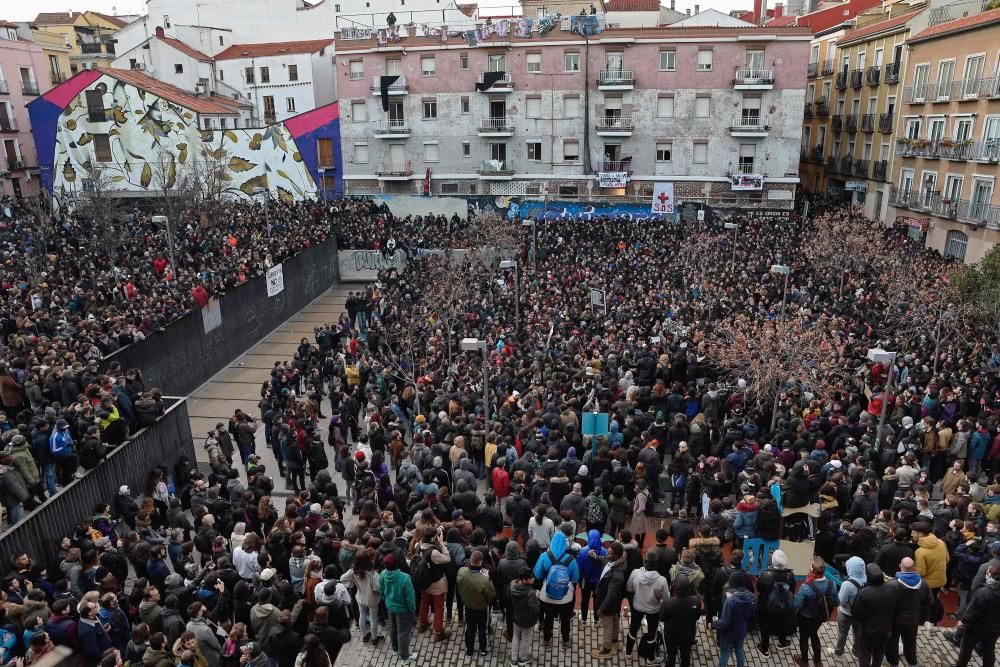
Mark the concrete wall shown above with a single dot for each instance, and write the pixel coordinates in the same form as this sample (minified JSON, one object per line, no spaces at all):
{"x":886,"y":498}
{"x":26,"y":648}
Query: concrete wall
{"x":403,"y":205}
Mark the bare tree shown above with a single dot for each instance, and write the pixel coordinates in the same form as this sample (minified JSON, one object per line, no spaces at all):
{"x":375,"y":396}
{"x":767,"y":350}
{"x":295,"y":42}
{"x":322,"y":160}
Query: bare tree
{"x":492,"y":239}
{"x":835,"y":244}
{"x":101,"y":203}
{"x":450,"y":288}
{"x":44,"y":226}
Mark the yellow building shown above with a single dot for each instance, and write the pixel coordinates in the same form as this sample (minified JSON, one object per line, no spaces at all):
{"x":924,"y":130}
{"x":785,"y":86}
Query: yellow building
{"x":870,"y":61}
{"x":56,"y":52}
{"x":819,"y":99}
{"x":88,"y":35}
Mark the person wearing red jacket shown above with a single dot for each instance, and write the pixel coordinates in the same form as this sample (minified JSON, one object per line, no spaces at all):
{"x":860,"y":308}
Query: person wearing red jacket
{"x":199,"y":295}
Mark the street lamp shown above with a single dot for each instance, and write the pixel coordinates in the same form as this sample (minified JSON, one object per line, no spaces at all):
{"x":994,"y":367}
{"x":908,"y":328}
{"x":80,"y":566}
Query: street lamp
{"x":736,"y":229}
{"x":477,"y":345}
{"x":512,"y":264}
{"x":164,"y":220}
{"x":880,"y":356}
{"x":530,"y":222}
{"x":322,"y":181}
{"x":785,"y":270}
{"x":267,"y":208}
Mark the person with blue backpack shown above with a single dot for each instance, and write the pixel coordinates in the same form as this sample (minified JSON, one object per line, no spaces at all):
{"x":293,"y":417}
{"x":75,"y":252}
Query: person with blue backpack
{"x":558,"y":571}
{"x":776,"y":604}
{"x":590,"y":561}
{"x":62,"y":450}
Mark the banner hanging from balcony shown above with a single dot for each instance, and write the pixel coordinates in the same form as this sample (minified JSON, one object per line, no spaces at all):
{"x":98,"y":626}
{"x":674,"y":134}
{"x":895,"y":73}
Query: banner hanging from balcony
{"x":742,"y":182}
{"x":489,"y":78}
{"x":613,"y":179}
{"x":384,"y":82}
{"x":663,"y":198}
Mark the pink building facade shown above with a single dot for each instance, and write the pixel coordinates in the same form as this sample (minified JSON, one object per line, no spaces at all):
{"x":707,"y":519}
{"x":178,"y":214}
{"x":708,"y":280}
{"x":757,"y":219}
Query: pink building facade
{"x":717,"y":111}
{"x":23,"y":77}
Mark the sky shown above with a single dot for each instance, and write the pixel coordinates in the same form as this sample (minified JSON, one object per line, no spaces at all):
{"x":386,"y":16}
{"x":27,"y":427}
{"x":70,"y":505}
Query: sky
{"x":25,"y":11}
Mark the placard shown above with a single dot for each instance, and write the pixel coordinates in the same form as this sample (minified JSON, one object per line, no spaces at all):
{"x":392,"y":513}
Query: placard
{"x":612,"y":179}
{"x":275,"y":280}
{"x":594,"y":423}
{"x":663,"y":198}
{"x":741,"y":182}
{"x":598,"y":300}
{"x":211,"y":315}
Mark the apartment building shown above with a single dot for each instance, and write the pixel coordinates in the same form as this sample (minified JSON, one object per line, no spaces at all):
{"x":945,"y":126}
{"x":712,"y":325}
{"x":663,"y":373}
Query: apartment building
{"x":22,"y":79}
{"x":715,"y":110}
{"x":947,"y":142}
{"x":89,"y":35}
{"x":820,"y":72}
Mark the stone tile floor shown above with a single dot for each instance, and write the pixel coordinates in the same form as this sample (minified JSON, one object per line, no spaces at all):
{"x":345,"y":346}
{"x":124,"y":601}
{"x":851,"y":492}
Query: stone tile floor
{"x":933,"y":650}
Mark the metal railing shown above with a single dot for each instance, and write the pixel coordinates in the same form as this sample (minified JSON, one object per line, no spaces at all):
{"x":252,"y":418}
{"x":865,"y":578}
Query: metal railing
{"x":808,"y":110}
{"x":503,"y":82}
{"x":852,"y":122}
{"x":847,"y":164}
{"x":394,"y":169}
{"x":827,"y":68}
{"x":617,"y":165}
{"x":8,"y":124}
{"x":947,"y":12}
{"x":837,"y":123}
{"x":868,"y":122}
{"x":29,"y":88}
{"x":962,"y":210}
{"x":614,"y":123}
{"x":749,"y":124}
{"x":861,"y":168}
{"x":15,"y":165}
{"x":56,"y":78}
{"x":496,"y":168}
{"x":817,"y":154}
{"x":880,"y":170}
{"x":832,"y":162}
{"x":812,"y":71}
{"x":841,"y":82}
{"x":496,"y":124}
{"x":822,"y":108}
{"x":857,"y":78}
{"x":754,"y":77}
{"x":886,"y":122}
{"x":746,"y":168}
{"x":874,"y":75}
{"x":399,"y":85}
{"x":948,"y":149}
{"x":391,"y":126}
{"x":892,"y":73}
{"x":616,"y":77}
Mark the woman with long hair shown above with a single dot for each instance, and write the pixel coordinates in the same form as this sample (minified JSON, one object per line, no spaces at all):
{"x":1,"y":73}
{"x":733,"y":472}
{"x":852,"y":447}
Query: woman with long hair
{"x":313,"y":654}
{"x":368,"y":595}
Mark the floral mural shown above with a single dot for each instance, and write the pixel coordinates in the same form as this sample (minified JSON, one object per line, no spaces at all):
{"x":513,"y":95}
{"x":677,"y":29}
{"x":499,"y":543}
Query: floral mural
{"x":153,"y":141}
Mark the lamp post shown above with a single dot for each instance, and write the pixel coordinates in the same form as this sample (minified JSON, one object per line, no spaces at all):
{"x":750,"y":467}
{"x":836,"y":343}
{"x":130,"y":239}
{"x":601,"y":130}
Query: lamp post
{"x":477,"y":345}
{"x":322,"y":183}
{"x":530,"y":222}
{"x":158,"y":219}
{"x":880,"y":356}
{"x":512,"y":264}
{"x":784,"y":270}
{"x":267,"y":208}
{"x":736,"y":230}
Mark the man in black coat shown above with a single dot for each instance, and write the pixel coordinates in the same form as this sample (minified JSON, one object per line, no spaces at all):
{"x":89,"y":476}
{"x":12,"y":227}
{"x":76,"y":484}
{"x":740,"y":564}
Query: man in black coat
{"x":913,"y":607}
{"x":874,"y":609}
{"x":680,"y":613}
{"x":609,"y":595}
{"x":981,"y":620}
{"x":282,"y":643}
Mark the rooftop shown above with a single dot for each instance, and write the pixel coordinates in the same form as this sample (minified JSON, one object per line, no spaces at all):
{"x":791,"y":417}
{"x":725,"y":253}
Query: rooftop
{"x":632,"y":6}
{"x":265,"y":49}
{"x":184,"y":48}
{"x":958,"y":25}
{"x":468,"y":10}
{"x":894,"y":23}
{"x":207,"y":105}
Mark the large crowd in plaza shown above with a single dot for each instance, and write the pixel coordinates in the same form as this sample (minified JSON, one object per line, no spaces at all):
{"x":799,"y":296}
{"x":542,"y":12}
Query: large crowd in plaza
{"x":421,"y":496}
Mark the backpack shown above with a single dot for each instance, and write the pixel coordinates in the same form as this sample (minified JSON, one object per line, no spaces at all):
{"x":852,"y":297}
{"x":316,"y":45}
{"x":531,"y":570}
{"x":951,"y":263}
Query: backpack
{"x":779,"y":600}
{"x":557,"y":580}
{"x":820,"y":606}
{"x":423,"y":571}
{"x":858,"y":586}
{"x":61,"y":444}
{"x":593,"y":513}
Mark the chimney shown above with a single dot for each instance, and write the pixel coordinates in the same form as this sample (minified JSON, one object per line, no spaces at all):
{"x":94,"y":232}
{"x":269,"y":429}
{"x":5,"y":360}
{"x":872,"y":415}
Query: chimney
{"x":696,"y":9}
{"x":779,"y":9}
{"x":673,"y":4}
{"x":159,"y":31}
{"x":688,"y":11}
{"x":759,"y":9}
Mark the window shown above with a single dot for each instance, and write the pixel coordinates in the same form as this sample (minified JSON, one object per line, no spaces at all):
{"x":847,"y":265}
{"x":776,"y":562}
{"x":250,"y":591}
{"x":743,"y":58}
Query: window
{"x":497,"y":62}
{"x":534,"y":62}
{"x":293,"y":72}
{"x":912,"y":130}
{"x":747,"y":154}
{"x":535,"y":151}
{"x":166,"y":21}
{"x":663,"y":151}
{"x":702,"y":107}
{"x":946,"y":72}
{"x":571,"y":61}
{"x":359,"y":112}
{"x":571,"y":106}
{"x":222,"y":123}
{"x":324,"y":153}
{"x":449,"y":188}
{"x":463,"y":61}
{"x":361,"y":153}
{"x":755,"y":59}
{"x":102,"y":148}
{"x":533,"y":107}
{"x":973,"y":73}
{"x":268,"y":108}
{"x":571,"y":150}
{"x":208,"y":123}
{"x":700,"y":155}
{"x":95,"y":106}
{"x":430,"y":109}
{"x":814,"y":54}
{"x":464,"y":104}
{"x":920,"y":74}
{"x":569,"y":190}
{"x":953,"y":187}
{"x":357,"y":69}
{"x":428,"y":67}
{"x":466,"y":149}
{"x":178,"y":68}
{"x":221,"y":41}
{"x":393,"y":67}
{"x":935,"y":129}
{"x":431,"y":153}
{"x":614,"y":61}
{"x":665,"y":106}
{"x":668,"y":60}
{"x":265,"y":74}
{"x":705,"y":60}
{"x":222,"y":75}
{"x":963,"y":129}
{"x":248,"y":75}
{"x":955,"y":244}
{"x":290,"y":104}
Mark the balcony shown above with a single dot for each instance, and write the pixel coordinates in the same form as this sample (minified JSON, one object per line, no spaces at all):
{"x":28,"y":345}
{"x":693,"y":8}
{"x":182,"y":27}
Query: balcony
{"x":880,"y":170}
{"x":963,"y":90}
{"x":56,"y":78}
{"x":949,"y":149}
{"x":808,"y":110}
{"x":614,"y":126}
{"x":817,"y":154}
{"x":394,"y":171}
{"x":885,"y":123}
{"x":399,"y":87}
{"x":616,"y":79}
{"x":496,"y":170}
{"x":812,"y":71}
{"x":852,"y":123}
{"x":749,"y":126}
{"x":29,"y":88}
{"x":868,"y":123}
{"x":846,"y":165}
{"x":827,"y":68}
{"x":500,"y":126}
{"x":15,"y":164}
{"x":842,"y":80}
{"x":391,"y":128}
{"x":965,"y":211}
{"x":874,"y":75}
{"x":93,"y":48}
{"x":917,"y":94}
{"x":891,"y":73}
{"x":837,"y":123}
{"x":502,"y":85}
{"x":857,"y":78}
{"x":3,"y":87}
{"x":8,"y":124}
{"x":822,"y":109}
{"x":753,"y":79}
{"x":832,"y":163}
{"x":617,"y":166}
{"x":861,"y":168}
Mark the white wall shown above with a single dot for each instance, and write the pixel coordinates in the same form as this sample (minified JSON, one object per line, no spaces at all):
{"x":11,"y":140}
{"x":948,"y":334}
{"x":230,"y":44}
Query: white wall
{"x":403,"y":205}
{"x":279,"y":86}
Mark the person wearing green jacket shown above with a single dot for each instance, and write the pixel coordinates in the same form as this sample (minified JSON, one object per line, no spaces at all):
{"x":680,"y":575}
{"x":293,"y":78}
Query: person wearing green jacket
{"x":401,"y":603}
{"x":478,"y":593}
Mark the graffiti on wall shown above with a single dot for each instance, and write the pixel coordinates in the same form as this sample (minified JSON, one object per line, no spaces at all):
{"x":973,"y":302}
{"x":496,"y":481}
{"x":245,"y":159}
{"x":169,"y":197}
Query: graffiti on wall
{"x":555,"y":210}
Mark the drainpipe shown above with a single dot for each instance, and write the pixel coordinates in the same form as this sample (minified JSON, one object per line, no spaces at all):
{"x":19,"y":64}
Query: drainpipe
{"x":586,"y":107}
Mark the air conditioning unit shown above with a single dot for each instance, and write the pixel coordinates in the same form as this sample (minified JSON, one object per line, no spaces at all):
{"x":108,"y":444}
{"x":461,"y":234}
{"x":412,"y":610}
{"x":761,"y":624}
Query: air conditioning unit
{"x":199,"y":88}
{"x":140,"y":66}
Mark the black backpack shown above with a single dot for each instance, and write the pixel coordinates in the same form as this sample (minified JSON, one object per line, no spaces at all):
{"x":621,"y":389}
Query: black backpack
{"x":423,"y":570}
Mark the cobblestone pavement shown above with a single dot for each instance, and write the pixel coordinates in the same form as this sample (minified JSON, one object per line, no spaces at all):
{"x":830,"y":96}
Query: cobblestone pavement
{"x":933,"y":650}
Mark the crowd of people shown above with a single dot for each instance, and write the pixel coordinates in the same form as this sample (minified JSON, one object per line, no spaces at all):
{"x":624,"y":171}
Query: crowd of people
{"x":425,"y":490}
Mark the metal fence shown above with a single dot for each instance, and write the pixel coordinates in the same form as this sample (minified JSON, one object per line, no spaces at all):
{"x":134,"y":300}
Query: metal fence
{"x":183,"y":356}
{"x":163,"y":443}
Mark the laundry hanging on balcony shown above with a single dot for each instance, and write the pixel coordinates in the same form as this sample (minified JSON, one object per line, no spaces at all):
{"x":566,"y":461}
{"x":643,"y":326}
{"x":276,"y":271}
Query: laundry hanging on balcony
{"x":383,"y":83}
{"x":489,"y":78}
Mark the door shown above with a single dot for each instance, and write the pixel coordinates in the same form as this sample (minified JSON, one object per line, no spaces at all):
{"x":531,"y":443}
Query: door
{"x":614,"y":61}
{"x":613,"y":110}
{"x":397,"y":156}
{"x":396,"y":115}
{"x":498,"y":110}
{"x":498,"y":153}
{"x":879,"y":54}
{"x":982,"y":193}
{"x":905,"y":184}
{"x":612,"y":153}
{"x":862,"y":59}
{"x":6,"y":117}
{"x":991,"y":139}
{"x":973,"y":73}
{"x":930,"y":186}
{"x":393,"y":67}
{"x":953,"y":188}
{"x":10,"y":151}
{"x":269,"y":116}
{"x":755,"y":59}
{"x":15,"y":184}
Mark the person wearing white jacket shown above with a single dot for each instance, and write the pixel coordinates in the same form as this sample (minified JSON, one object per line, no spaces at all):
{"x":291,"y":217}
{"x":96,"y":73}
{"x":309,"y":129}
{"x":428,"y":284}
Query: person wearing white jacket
{"x":364,"y":580}
{"x":650,"y":589}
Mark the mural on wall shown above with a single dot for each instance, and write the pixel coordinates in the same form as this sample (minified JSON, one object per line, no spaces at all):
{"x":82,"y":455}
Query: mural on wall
{"x":155,"y":142}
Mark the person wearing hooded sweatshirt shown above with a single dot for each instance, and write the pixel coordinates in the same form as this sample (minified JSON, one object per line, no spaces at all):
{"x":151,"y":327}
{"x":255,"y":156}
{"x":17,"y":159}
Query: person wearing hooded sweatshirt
{"x":931,"y":557}
{"x":874,"y":609}
{"x":849,"y":589}
{"x":649,"y":590}
{"x":680,"y":613}
{"x":814,"y":601}
{"x":553,"y":604}
{"x":773,"y":620}
{"x":524,"y":608}
{"x":590,"y":560}
{"x":734,"y":621}
{"x":401,"y":603}
{"x":508,"y":570}
{"x":981,"y":620}
{"x":610,"y":593}
{"x":913,"y":608}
